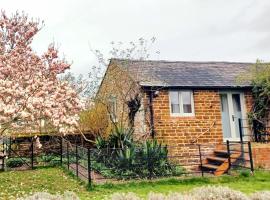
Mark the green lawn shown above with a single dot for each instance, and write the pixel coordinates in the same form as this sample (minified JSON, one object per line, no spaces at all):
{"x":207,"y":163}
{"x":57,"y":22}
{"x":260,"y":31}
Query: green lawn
{"x":53,"y":180}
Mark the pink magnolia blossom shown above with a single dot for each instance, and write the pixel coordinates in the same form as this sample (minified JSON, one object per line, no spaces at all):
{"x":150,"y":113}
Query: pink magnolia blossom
{"x":30,"y":90}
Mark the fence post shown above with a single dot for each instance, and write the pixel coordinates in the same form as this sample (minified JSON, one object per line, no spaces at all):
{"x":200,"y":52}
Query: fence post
{"x":229,"y":154}
{"x":3,"y":158}
{"x":61,"y":151}
{"x":255,"y":132}
{"x":9,"y":145}
{"x":250,"y":157}
{"x":201,"y":164}
{"x":77,"y":170}
{"x":67,"y":156}
{"x":89,"y":166}
{"x":240,"y":129}
{"x":3,"y":146}
{"x":32,"y":153}
{"x":149,"y":166}
{"x":3,"y":163}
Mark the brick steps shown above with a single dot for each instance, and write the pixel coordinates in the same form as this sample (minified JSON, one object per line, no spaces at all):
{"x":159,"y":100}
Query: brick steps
{"x":218,"y":164}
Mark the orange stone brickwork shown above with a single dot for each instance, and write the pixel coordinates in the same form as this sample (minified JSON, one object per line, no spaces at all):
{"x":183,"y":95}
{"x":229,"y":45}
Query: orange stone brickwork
{"x":183,"y":130}
{"x":261,"y":155}
{"x":204,"y":127}
{"x":249,"y":101}
{"x":185,"y":133}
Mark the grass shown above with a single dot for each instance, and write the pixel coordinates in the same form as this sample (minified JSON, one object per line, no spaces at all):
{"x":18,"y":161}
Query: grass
{"x":15,"y":184}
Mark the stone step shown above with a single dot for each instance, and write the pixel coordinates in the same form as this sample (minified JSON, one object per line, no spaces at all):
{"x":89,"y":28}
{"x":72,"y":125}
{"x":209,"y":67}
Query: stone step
{"x":210,"y":166}
{"x":216,"y":158}
{"x":221,"y":152}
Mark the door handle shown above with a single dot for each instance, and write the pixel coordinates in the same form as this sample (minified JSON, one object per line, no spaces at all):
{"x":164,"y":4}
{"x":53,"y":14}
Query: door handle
{"x":233,"y":118}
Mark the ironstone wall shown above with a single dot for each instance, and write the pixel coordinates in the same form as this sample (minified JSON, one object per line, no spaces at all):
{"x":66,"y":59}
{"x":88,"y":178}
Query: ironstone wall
{"x":22,"y":145}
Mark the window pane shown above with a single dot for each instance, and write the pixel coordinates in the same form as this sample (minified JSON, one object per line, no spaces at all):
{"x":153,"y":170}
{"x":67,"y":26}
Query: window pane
{"x":186,"y":98}
{"x":226,"y":126}
{"x":175,"y":108}
{"x":174,"y":97}
{"x":236,"y":102}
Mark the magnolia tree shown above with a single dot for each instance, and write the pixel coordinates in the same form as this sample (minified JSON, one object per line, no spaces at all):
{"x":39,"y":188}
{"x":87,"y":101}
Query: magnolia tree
{"x":30,"y":91}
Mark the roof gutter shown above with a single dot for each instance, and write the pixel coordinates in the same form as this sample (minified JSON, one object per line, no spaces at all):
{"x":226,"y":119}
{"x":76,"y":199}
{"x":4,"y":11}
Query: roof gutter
{"x":197,"y":87}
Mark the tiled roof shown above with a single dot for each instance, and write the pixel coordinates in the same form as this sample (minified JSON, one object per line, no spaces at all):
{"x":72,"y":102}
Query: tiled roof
{"x":186,"y":74}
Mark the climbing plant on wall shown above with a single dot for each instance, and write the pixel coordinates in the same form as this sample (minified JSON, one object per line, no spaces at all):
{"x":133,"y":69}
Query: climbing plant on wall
{"x":259,"y":76}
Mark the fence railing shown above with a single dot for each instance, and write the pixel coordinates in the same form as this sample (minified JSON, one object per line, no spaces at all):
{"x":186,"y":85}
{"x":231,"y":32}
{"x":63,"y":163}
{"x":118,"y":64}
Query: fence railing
{"x":255,"y":131}
{"x":245,"y":159}
{"x":112,"y":164}
{"x":25,"y":153}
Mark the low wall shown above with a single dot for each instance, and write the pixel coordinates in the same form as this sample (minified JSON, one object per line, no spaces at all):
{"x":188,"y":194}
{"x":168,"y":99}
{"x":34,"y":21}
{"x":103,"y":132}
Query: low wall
{"x":21,"y":146}
{"x":188,"y":155}
{"x":261,"y":155}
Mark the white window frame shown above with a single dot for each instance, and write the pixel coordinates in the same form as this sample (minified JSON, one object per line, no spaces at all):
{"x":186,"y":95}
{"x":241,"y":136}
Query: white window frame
{"x":181,"y":113}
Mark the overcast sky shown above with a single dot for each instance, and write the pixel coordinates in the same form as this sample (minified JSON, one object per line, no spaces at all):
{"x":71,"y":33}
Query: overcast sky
{"x":189,"y":30}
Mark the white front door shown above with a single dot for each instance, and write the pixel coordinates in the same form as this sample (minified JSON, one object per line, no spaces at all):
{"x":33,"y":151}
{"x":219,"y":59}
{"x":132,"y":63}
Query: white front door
{"x":232,"y":109}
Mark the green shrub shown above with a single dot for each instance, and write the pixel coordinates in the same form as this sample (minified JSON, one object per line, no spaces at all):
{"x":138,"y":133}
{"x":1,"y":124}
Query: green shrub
{"x":126,"y":158}
{"x":46,"y":158}
{"x":245,"y":173}
{"x":177,"y":170}
{"x":154,"y":156}
{"x":121,"y":138}
{"x":102,"y":169}
{"x":120,"y":157}
{"x":100,"y":142}
{"x":16,"y":162}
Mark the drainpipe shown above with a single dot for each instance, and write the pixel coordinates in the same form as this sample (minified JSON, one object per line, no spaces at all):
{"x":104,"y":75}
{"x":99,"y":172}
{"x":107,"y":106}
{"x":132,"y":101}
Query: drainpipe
{"x":152,"y":125}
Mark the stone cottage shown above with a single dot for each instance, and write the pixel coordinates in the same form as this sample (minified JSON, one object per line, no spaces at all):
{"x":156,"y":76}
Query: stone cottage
{"x":180,"y":103}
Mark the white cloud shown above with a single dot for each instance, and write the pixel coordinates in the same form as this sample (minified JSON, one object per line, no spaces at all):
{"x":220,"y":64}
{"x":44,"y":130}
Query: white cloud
{"x":186,"y":29}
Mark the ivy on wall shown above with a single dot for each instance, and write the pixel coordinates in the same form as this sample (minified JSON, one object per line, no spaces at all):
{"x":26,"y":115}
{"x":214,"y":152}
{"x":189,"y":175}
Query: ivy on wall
{"x":259,"y":77}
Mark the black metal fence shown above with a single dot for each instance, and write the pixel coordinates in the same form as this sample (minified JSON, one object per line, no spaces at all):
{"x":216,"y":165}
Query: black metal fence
{"x":240,"y":155}
{"x":29,"y":152}
{"x":255,"y":130}
{"x":113,"y":164}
